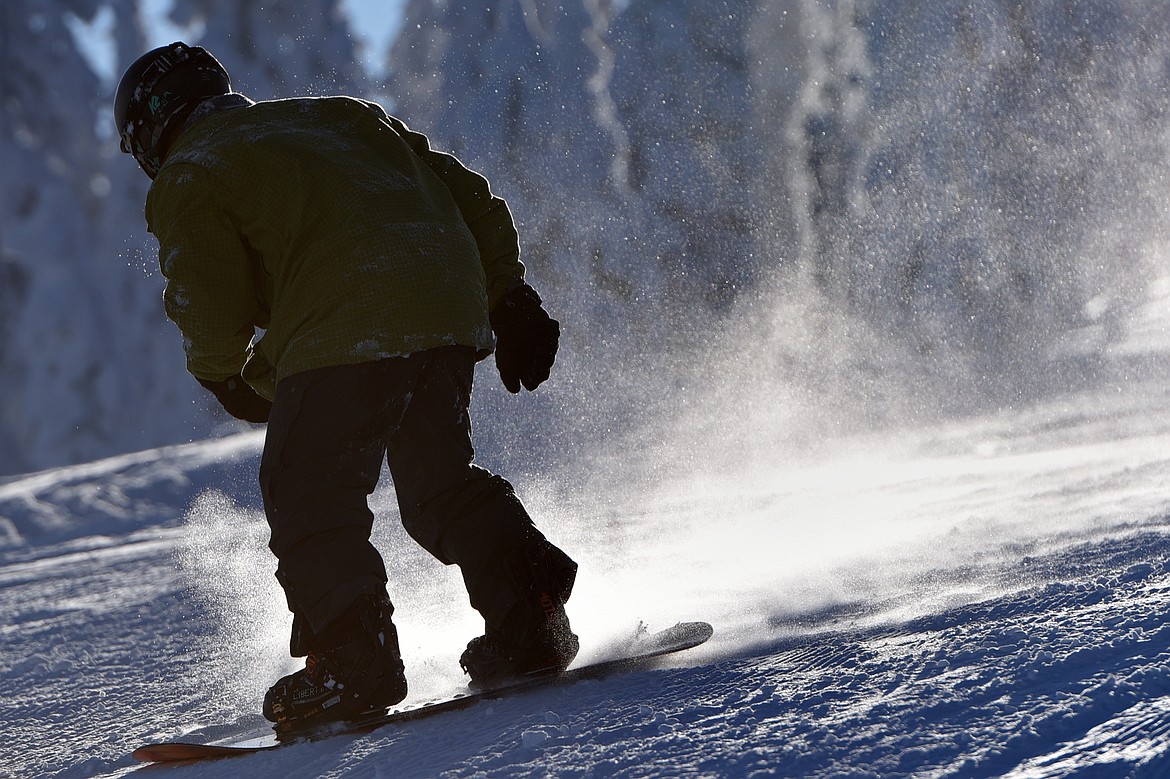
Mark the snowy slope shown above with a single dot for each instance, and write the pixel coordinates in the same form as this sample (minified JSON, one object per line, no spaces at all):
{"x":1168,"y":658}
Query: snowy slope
{"x":983,"y":597}
{"x":898,"y":588}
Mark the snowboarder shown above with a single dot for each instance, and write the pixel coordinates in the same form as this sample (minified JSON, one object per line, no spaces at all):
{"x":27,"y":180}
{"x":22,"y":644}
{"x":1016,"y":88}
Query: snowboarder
{"x":335,"y":277}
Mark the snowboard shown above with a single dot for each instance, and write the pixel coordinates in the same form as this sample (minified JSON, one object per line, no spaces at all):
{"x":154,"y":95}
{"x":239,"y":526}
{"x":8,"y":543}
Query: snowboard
{"x":639,"y":652}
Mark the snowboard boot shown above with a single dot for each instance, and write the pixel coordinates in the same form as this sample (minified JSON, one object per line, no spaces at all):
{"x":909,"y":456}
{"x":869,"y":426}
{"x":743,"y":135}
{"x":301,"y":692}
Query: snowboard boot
{"x":354,"y":668}
{"x":535,"y":637}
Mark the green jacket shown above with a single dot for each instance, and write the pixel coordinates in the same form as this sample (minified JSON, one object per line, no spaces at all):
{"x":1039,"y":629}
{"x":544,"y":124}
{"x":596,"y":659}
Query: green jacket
{"x":330,"y":227}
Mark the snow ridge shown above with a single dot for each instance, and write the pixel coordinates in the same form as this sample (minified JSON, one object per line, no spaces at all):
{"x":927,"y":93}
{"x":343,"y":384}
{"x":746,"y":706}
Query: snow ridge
{"x":980,"y":599}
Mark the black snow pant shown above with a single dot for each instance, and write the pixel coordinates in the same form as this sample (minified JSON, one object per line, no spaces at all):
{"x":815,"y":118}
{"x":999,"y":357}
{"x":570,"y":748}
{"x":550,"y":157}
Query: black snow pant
{"x":327,"y":434}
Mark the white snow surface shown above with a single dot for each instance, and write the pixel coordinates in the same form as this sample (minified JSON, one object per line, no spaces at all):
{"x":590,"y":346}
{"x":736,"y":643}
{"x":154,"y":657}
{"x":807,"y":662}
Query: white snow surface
{"x":865,"y":362}
{"x":981,"y":597}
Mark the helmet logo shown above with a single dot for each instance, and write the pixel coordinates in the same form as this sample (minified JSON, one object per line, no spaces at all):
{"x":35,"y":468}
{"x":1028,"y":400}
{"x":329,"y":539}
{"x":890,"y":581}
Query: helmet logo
{"x":158,"y":103}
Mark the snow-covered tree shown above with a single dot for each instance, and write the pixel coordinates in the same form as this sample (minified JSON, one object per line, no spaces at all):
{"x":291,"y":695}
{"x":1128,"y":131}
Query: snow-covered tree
{"x":954,"y":188}
{"x":88,"y":364}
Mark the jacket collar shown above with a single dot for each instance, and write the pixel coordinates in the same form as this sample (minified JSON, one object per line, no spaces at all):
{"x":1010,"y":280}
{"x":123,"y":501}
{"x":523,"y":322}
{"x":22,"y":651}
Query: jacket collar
{"x":215,"y":105}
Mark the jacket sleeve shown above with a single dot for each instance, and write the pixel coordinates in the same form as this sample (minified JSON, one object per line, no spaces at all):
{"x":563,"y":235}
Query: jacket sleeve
{"x":210,"y":292}
{"x":486,"y":214}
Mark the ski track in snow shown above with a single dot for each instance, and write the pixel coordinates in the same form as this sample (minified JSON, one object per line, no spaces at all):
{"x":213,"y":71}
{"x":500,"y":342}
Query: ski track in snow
{"x":984,"y":598}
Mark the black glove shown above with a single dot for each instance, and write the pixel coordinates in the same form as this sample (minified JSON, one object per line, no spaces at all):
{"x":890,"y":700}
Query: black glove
{"x":526,"y":339}
{"x":239,"y":399}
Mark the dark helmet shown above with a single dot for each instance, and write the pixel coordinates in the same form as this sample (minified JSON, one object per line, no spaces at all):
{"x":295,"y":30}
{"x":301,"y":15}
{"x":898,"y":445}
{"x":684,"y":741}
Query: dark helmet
{"x":157,"y":94}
